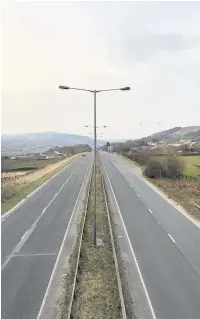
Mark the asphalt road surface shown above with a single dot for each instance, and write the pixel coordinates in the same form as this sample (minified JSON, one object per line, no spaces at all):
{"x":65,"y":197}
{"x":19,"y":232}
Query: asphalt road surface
{"x":31,"y":239}
{"x":166,"y":244}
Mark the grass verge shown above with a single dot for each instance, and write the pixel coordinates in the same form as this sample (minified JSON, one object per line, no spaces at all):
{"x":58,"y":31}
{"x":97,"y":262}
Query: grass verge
{"x":25,"y":185}
{"x":97,"y":295}
{"x":182,"y":191}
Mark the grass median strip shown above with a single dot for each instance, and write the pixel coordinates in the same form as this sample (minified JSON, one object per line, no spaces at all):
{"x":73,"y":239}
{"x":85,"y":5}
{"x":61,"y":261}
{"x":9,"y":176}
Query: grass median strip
{"x":96,"y":293}
{"x":14,"y":191}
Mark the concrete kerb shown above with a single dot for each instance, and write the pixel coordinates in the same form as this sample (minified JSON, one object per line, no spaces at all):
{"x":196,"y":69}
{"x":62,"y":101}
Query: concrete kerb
{"x":119,"y":283}
{"x":10,"y":211}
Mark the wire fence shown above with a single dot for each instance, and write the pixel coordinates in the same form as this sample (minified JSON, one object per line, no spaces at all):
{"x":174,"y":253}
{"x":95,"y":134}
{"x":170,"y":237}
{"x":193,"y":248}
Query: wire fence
{"x":183,"y":177}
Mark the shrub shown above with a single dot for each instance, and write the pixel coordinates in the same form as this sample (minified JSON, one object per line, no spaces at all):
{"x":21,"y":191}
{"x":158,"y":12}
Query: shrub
{"x":175,"y":166}
{"x":169,"y":167}
{"x":141,"y":158}
{"x":155,"y":168}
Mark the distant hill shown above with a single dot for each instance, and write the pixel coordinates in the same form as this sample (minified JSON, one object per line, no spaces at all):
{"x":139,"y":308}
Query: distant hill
{"x":70,"y":149}
{"x":40,"y":142}
{"x":190,"y":133}
{"x":177,"y":133}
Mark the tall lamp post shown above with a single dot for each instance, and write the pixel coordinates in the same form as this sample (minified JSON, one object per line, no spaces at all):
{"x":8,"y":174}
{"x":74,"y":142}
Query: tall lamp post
{"x":94,"y":92}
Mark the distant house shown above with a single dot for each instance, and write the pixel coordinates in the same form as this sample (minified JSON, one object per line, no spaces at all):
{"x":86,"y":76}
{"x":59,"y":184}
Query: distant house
{"x":40,"y":156}
{"x":52,"y":154}
{"x":58,"y":153}
{"x":24,"y":157}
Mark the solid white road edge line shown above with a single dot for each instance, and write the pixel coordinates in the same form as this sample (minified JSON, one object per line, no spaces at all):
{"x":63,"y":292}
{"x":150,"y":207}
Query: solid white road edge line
{"x":34,"y":225}
{"x":61,"y":247}
{"x":33,"y":255}
{"x":7,"y":214}
{"x":171,"y":238}
{"x":133,"y":253}
{"x":162,"y":194}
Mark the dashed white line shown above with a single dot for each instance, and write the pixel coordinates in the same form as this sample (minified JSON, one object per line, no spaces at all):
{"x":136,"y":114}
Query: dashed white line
{"x":150,"y":211}
{"x":62,"y":245}
{"x":138,"y":195}
{"x":35,"y":191}
{"x":34,"y":225}
{"x":171,"y":238}
{"x":130,"y":185}
{"x":131,"y":247}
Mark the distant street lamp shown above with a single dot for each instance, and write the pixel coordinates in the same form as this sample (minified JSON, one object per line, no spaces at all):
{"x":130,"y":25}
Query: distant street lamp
{"x":94,"y":92}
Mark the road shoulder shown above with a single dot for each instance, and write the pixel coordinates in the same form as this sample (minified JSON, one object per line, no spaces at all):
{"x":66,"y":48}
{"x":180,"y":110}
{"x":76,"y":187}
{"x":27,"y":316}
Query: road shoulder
{"x":175,"y":204}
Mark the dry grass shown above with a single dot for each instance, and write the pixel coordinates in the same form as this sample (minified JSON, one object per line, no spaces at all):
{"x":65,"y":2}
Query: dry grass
{"x":14,"y":190}
{"x":13,"y":174}
{"x":97,"y":295}
{"x":182,"y":191}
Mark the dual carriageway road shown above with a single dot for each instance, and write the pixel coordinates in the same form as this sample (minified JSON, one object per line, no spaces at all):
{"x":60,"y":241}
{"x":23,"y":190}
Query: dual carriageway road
{"x":164,"y":244}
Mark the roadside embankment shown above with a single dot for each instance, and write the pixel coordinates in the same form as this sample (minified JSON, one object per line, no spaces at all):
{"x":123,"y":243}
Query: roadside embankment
{"x":15,"y":189}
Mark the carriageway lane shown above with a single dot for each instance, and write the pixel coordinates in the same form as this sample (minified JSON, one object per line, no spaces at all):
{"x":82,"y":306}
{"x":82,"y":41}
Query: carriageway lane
{"x":185,"y":233}
{"x":172,"y":283}
{"x":26,"y":276}
{"x":15,"y":225}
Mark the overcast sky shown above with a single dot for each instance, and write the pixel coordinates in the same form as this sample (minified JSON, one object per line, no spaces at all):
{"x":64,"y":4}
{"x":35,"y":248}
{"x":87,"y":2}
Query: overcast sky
{"x":153,"y":47}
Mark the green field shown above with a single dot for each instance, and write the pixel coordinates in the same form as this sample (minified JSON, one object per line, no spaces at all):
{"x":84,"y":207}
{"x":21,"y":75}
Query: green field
{"x":8,"y":165}
{"x":192,"y":165}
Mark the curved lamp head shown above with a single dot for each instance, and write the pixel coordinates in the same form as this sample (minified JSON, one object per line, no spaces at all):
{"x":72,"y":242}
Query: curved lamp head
{"x":63,"y":87}
{"x":127,"y":88}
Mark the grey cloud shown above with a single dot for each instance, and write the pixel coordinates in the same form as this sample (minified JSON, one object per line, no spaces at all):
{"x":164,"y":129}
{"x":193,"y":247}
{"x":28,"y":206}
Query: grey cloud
{"x":142,"y":48}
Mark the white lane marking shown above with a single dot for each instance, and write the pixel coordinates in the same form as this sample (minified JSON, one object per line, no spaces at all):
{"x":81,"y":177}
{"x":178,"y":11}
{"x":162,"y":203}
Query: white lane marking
{"x":32,"y":255}
{"x":24,"y":235}
{"x":7,"y":214}
{"x":138,"y":195}
{"x":163,"y":195}
{"x":32,"y":228}
{"x":171,"y":238}
{"x":150,"y":211}
{"x":133,"y":253}
{"x":130,"y":185}
{"x":61,"y":247}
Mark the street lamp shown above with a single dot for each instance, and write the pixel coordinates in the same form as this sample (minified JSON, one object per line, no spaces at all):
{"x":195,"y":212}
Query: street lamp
{"x":94,"y":92}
